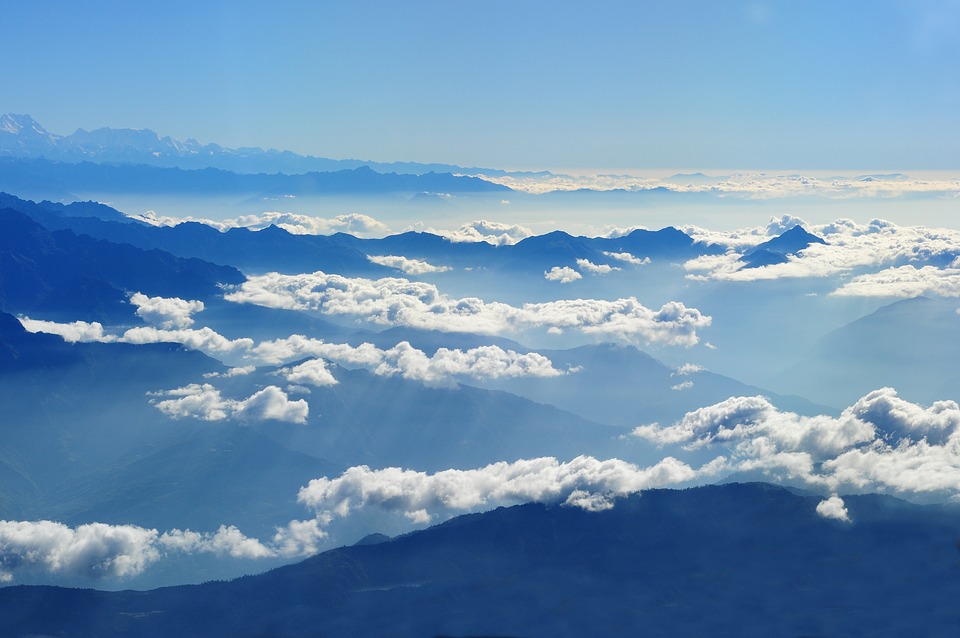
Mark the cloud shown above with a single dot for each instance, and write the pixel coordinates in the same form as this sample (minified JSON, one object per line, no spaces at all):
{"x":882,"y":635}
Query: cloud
{"x":204,"y":402}
{"x":407,"y":266}
{"x":400,"y":302}
{"x":582,"y":482}
{"x":627,"y":258}
{"x":746,"y":185}
{"x":851,"y":249}
{"x":684,"y":385}
{"x":484,"y":362}
{"x":495,"y":233}
{"x":688,"y":368}
{"x":356,"y":224}
{"x":77,"y":331}
{"x":904,"y":281}
{"x":99,"y":550}
{"x":564,"y":275}
{"x":167,"y":313}
{"x":313,"y":372}
{"x":595,"y":269}
{"x":833,"y":508}
{"x":881,"y":443}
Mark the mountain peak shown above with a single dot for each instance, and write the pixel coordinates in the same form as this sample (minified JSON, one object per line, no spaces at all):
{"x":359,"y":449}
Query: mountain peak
{"x":20,"y":124}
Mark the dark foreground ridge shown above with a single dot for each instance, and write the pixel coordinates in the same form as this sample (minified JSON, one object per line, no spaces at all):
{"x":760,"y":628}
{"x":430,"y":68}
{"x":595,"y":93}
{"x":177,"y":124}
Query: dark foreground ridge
{"x":737,"y":559}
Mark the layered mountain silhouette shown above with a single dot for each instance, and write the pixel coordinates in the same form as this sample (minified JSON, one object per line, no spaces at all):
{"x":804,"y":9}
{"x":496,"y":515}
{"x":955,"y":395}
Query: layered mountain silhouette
{"x":23,"y":137}
{"x":739,"y":559}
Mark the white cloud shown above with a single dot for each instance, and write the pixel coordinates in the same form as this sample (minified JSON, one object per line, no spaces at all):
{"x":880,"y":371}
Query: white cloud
{"x":596,"y":269}
{"x":70,"y":332}
{"x":395,"y":301}
{"x":204,"y":339}
{"x":564,"y":275}
{"x":313,"y":372}
{"x":238,"y":371}
{"x":356,"y":224}
{"x":688,"y":368}
{"x":99,"y":550}
{"x":850,"y":248}
{"x":833,"y":508}
{"x":495,"y":233}
{"x":684,"y":385}
{"x":747,"y":185}
{"x":628,"y":258}
{"x":167,"y":313}
{"x":904,"y":281}
{"x":205,"y":402}
{"x":583,"y":482}
{"x":484,"y":362}
{"x":881,"y":443}
{"x":407,"y":266}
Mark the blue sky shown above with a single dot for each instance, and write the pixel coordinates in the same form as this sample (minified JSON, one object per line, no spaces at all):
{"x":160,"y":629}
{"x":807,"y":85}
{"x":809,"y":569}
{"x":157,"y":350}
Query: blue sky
{"x":612,"y":85}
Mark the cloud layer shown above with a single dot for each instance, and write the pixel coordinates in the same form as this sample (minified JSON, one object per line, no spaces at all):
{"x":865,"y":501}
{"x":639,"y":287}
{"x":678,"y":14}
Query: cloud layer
{"x":400,"y":302}
{"x":356,"y":224}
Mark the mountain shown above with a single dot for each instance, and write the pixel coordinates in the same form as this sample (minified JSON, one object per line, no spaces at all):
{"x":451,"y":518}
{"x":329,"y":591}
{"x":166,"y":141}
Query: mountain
{"x":736,"y":559}
{"x":276,"y":249}
{"x":910,"y":345}
{"x":776,"y":250}
{"x":61,"y":275}
{"x":23,"y":137}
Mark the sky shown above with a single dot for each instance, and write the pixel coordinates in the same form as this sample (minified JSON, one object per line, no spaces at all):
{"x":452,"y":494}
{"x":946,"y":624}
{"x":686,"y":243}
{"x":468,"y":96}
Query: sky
{"x":536,"y":85}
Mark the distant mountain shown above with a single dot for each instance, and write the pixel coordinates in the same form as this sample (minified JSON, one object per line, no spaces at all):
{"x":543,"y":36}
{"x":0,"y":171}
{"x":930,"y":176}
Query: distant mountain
{"x":45,"y":176}
{"x":749,"y":560}
{"x":23,"y":137}
{"x":910,"y":345}
{"x":61,"y":275}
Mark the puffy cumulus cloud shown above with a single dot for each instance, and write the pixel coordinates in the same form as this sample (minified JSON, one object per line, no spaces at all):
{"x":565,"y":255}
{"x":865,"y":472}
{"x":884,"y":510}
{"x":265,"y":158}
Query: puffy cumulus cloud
{"x":582,"y":482}
{"x":204,"y":402}
{"x":313,"y":372}
{"x":495,"y":233}
{"x":851,"y":248}
{"x":442,"y":368}
{"x":99,"y":550}
{"x":833,"y":508}
{"x":628,"y":258}
{"x":356,"y":224}
{"x":563,"y":274}
{"x":904,"y":281}
{"x":204,"y":339}
{"x":92,"y":550}
{"x":683,"y":385}
{"x":167,"y":313}
{"x":595,"y":269}
{"x":881,"y":443}
{"x":73,"y":332}
{"x":406,"y":265}
{"x":400,"y":302}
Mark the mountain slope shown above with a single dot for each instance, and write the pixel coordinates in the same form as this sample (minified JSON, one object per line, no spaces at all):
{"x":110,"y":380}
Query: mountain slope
{"x":737,"y":559}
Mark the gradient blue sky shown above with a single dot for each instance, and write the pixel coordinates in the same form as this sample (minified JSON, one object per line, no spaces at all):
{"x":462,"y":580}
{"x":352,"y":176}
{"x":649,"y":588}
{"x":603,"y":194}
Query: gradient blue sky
{"x":605,"y":85}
